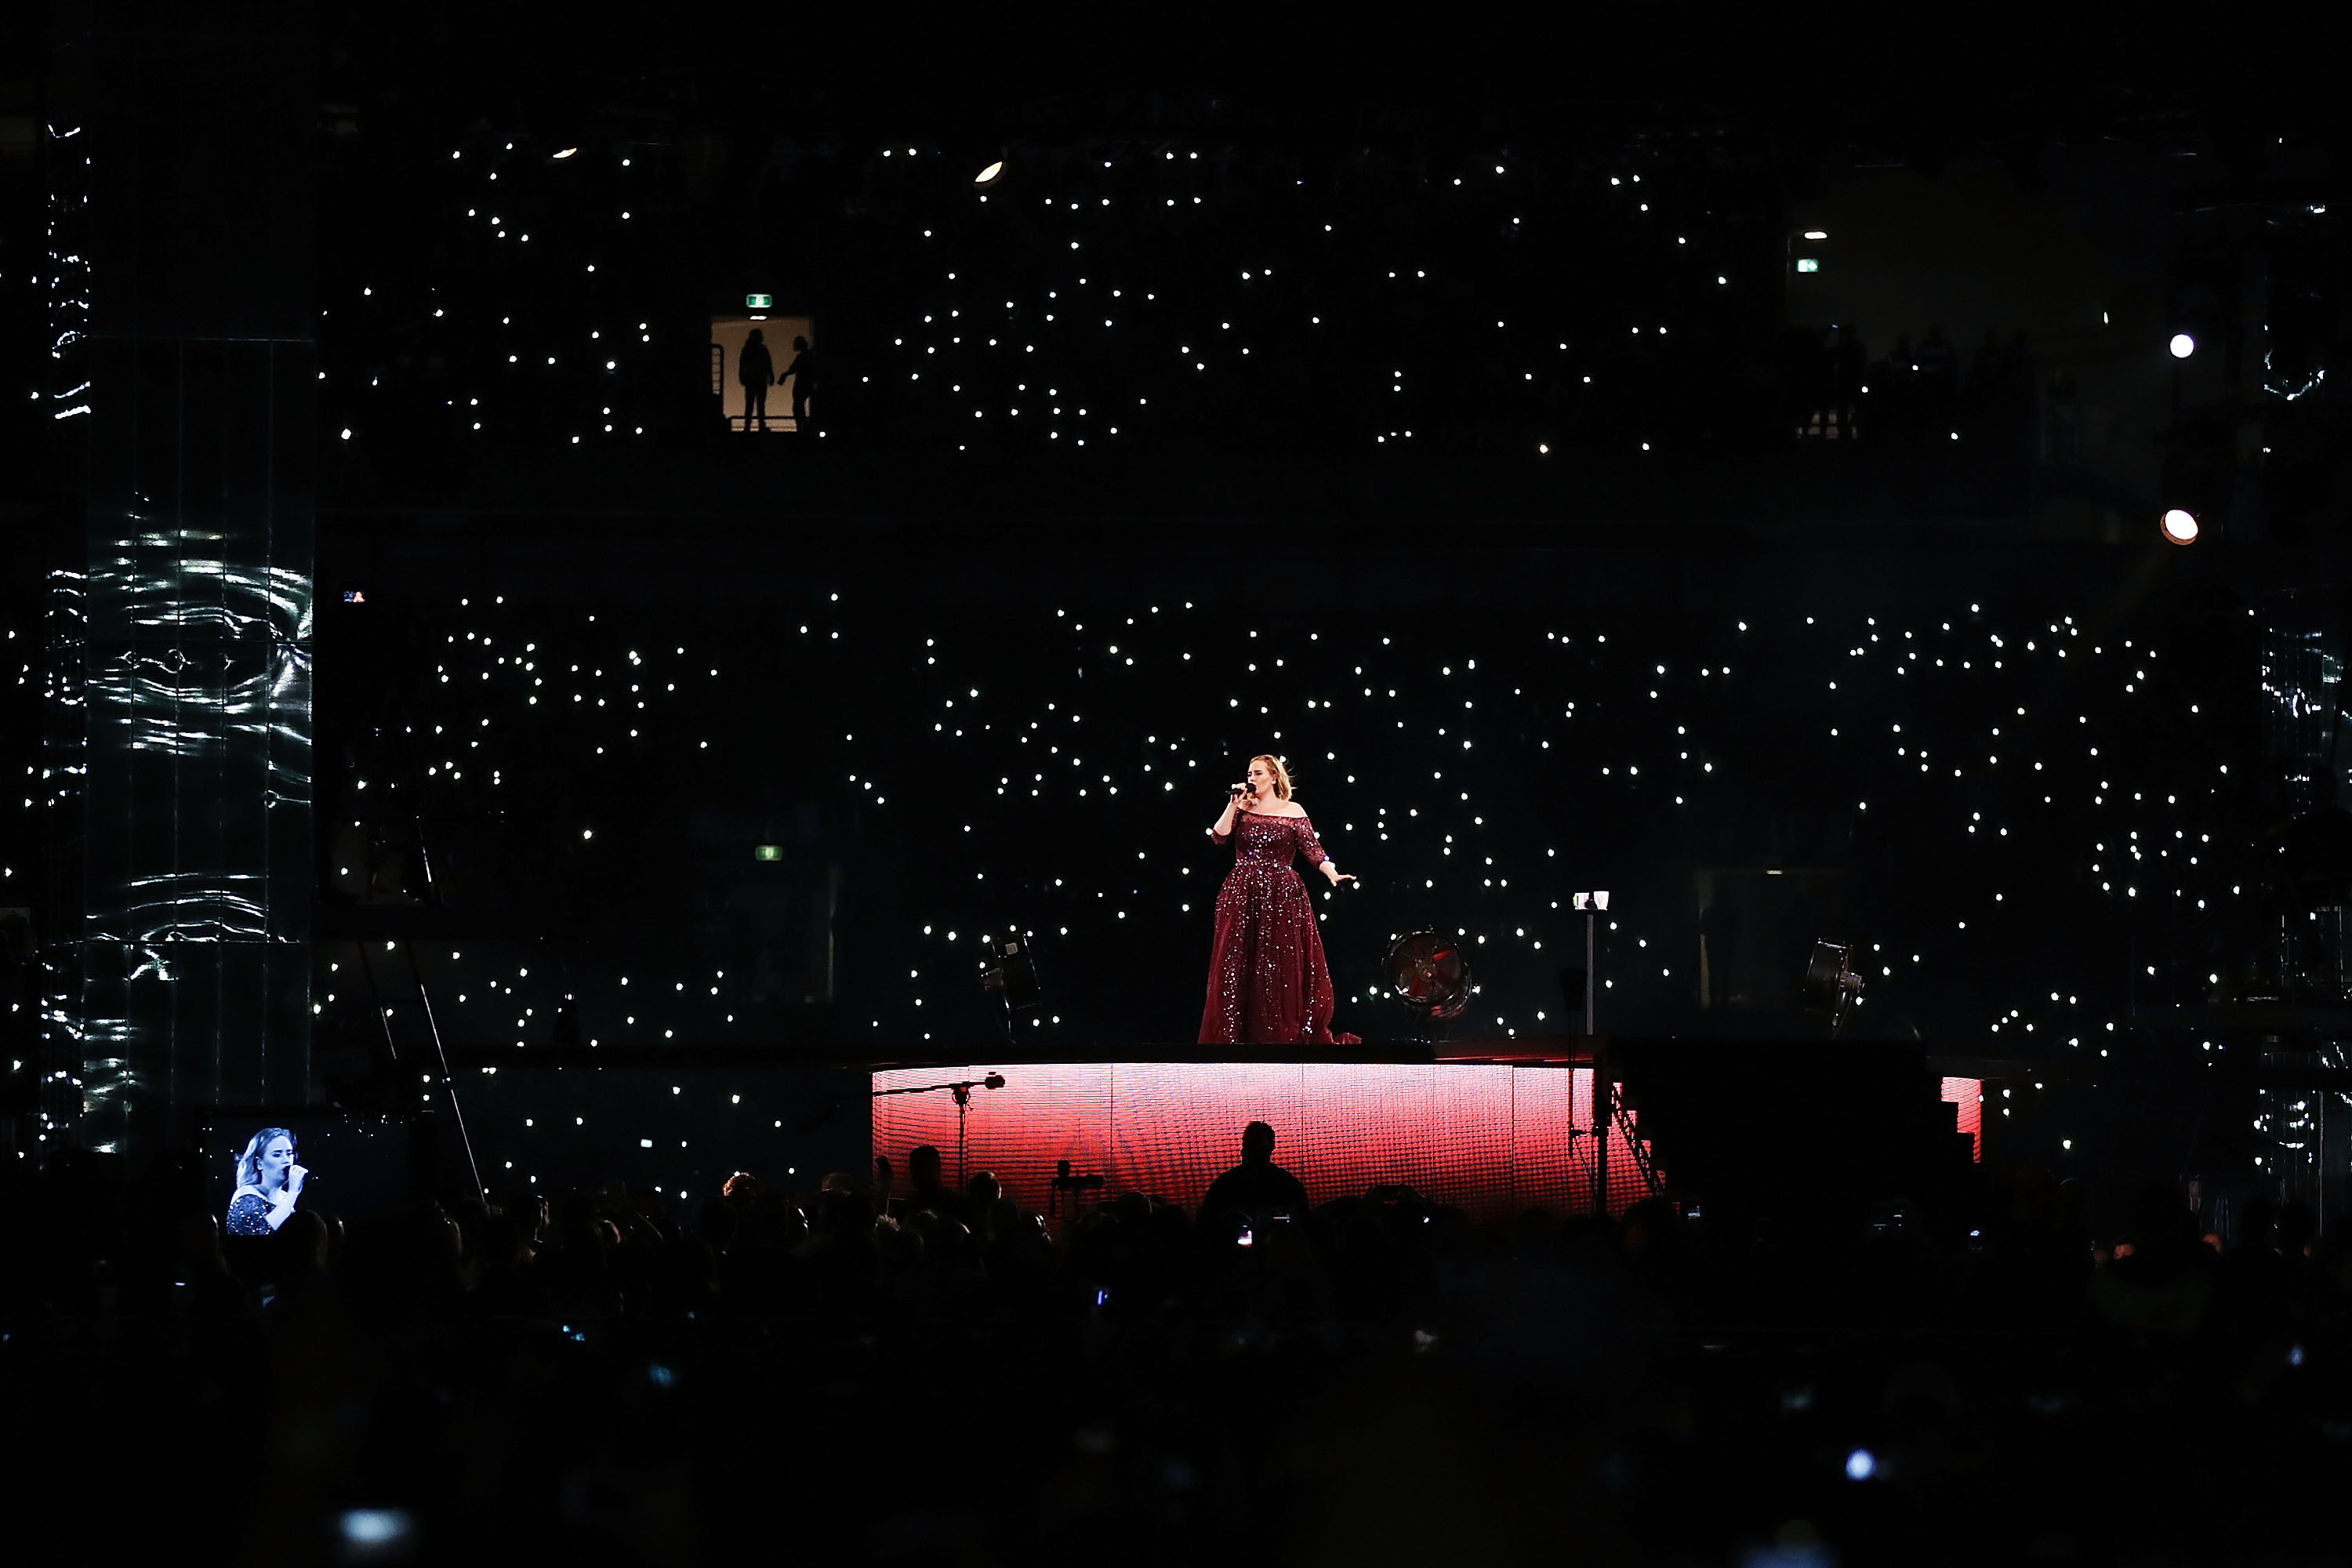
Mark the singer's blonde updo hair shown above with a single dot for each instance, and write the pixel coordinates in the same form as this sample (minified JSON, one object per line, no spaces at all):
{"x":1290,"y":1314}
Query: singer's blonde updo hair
{"x":1281,"y":775}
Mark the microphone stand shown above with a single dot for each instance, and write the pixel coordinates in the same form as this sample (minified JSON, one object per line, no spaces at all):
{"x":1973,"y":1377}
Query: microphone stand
{"x":963,"y":1092}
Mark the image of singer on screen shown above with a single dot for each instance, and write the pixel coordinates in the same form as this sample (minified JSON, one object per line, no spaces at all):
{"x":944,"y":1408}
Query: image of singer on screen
{"x":268,"y":1182}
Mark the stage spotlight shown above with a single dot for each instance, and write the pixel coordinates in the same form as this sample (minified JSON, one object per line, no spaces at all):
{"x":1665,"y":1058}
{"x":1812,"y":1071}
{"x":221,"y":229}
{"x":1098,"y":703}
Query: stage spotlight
{"x":1014,"y":977}
{"x":566,"y":153}
{"x":1830,"y":983}
{"x":1428,"y":976}
{"x":1816,"y":234}
{"x":2180,"y":527}
{"x":2183,"y":345}
{"x":990,"y":176}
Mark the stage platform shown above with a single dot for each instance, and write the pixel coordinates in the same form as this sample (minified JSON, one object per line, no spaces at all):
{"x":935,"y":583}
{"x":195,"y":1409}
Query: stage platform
{"x":1492,"y":1127}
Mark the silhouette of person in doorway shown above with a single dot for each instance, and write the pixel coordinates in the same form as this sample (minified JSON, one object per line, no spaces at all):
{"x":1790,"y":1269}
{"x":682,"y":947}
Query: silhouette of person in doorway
{"x":757,"y":371}
{"x":802,"y":373}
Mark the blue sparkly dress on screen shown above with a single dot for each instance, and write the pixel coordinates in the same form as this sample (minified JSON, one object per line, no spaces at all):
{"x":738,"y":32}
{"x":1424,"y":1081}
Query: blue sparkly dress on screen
{"x":249,"y":1213}
{"x":1268,"y":985}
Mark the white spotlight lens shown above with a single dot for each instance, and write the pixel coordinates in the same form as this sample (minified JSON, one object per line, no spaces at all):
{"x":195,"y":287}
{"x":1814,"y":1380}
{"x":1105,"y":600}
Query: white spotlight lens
{"x":2183,"y":345}
{"x":2179,"y":527}
{"x":988,"y":176}
{"x":1816,"y":234}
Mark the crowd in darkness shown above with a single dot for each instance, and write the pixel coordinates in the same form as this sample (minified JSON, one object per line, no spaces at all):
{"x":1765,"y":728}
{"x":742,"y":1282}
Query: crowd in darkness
{"x":875,"y":1370}
{"x":1988,"y":732}
{"x":1931,"y":391}
{"x":1119,"y":291}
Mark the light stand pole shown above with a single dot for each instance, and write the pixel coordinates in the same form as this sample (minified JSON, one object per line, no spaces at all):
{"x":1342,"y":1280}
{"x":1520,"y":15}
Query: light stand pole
{"x":1604,"y":1093}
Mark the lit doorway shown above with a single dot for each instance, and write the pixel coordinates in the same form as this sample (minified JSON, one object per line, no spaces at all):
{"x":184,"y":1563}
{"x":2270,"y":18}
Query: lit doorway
{"x":728,"y":336}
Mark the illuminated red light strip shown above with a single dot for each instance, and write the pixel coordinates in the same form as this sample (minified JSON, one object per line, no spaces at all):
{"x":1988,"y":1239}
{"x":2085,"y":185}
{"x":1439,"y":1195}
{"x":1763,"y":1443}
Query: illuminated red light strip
{"x":1493,"y":1139}
{"x":1965,"y":1095}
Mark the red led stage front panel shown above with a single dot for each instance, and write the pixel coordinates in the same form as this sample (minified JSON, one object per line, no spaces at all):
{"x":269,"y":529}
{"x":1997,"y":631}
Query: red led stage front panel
{"x":1965,"y":1095}
{"x":1491,"y":1140}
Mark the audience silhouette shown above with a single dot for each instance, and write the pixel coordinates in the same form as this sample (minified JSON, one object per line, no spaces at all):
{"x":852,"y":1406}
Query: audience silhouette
{"x":801,"y":372}
{"x":538,"y":1369}
{"x":1257,"y":1193}
{"x":930,"y":1194}
{"x":757,"y":373}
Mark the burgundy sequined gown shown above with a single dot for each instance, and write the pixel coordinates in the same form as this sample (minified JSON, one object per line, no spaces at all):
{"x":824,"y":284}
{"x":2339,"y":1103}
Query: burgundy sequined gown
{"x":1268,"y":985}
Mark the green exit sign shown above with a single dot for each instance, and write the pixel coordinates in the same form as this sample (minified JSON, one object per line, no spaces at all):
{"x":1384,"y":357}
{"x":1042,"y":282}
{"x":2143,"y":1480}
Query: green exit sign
{"x":1808,"y":263}
{"x":759,"y":302}
{"x":767,"y":852}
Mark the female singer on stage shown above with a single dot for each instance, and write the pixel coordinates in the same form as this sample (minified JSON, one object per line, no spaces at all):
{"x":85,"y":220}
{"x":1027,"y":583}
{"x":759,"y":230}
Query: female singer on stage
{"x":268,"y":1182}
{"x":1267,"y":982}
